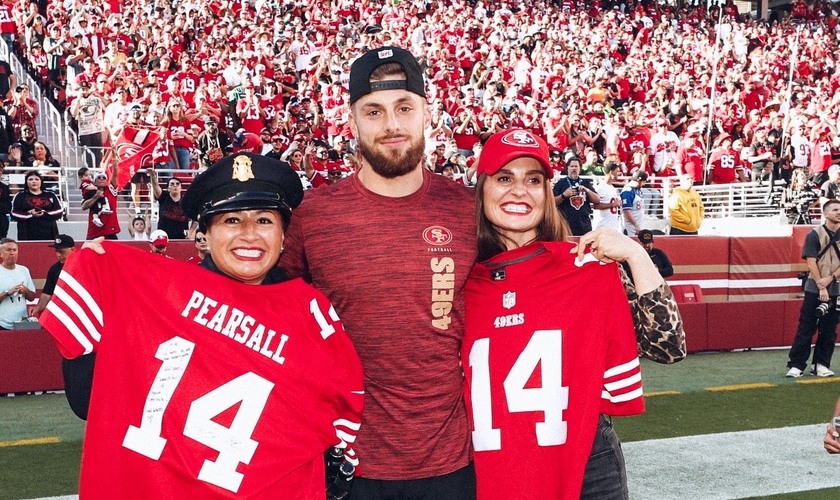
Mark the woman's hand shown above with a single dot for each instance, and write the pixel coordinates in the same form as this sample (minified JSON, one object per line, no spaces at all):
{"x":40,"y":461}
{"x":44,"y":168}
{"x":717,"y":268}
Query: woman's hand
{"x":95,"y":245}
{"x":608,"y":245}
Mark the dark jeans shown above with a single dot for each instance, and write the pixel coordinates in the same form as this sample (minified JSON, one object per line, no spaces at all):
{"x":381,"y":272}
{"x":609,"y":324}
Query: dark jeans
{"x":808,"y":323}
{"x":458,"y":485}
{"x":605,"y":477}
{"x":94,"y":142}
{"x":675,"y":231}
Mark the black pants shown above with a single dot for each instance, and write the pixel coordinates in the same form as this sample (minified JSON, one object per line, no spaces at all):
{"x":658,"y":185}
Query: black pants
{"x":826,"y":326}
{"x":458,"y":485}
{"x":605,"y":477}
{"x":675,"y":231}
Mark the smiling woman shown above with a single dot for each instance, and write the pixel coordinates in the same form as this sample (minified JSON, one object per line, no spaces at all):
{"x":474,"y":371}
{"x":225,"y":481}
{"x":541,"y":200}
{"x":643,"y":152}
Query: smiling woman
{"x":213,"y":343}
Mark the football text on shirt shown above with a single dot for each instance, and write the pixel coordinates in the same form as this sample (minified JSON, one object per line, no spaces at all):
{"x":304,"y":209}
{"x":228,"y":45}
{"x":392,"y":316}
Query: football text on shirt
{"x":443,"y":290}
{"x":230,"y":321}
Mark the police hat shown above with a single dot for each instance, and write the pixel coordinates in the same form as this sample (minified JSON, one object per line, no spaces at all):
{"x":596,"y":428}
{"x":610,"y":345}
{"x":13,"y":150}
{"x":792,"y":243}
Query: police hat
{"x":244,"y":181}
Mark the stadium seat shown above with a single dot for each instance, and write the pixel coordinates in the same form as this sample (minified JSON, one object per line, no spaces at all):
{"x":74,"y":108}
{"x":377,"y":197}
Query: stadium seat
{"x":687,"y":293}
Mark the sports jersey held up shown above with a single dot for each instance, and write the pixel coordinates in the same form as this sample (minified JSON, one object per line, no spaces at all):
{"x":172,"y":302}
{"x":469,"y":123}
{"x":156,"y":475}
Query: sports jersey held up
{"x":204,"y":387}
{"x":541,"y":365}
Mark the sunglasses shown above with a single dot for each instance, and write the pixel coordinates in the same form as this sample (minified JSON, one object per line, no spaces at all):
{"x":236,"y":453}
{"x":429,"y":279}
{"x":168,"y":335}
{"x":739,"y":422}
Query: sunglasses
{"x":200,"y":239}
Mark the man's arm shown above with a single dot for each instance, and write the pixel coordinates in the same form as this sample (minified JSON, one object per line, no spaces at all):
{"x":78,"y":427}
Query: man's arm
{"x":830,"y":441}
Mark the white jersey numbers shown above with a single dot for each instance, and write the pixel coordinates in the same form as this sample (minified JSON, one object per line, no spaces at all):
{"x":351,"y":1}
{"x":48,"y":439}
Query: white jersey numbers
{"x":233,"y":443}
{"x":544,"y":350}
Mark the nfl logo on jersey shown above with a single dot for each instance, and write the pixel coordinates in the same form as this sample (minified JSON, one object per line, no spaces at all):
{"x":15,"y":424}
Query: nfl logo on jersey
{"x":509,"y":300}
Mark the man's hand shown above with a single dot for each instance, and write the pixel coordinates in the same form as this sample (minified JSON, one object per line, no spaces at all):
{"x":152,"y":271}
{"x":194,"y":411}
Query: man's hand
{"x":95,"y":245}
{"x":830,"y":442}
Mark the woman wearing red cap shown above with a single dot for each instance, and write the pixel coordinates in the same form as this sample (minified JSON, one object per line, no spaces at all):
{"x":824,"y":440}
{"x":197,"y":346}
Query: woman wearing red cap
{"x":549,"y":342}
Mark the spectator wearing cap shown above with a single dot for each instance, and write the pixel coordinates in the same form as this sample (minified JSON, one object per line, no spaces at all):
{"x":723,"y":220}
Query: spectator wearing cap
{"x":159,"y":242}
{"x":685,"y":207}
{"x":663,"y":148}
{"x":55,"y":47}
{"x":16,"y":285}
{"x":303,"y":49}
{"x":88,"y":109}
{"x":658,"y":256}
{"x":690,"y":154}
{"x":212,"y":144}
{"x":188,"y":79}
{"x":633,"y":203}
{"x":101,"y":204}
{"x":279,"y":144}
{"x":247,"y":142}
{"x":725,"y":162}
{"x":63,"y":246}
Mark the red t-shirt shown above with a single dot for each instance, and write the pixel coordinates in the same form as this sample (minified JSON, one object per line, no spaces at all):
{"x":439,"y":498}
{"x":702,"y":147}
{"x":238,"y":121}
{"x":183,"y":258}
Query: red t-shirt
{"x":399,"y":294}
{"x":110,"y":221}
{"x":220,"y":390}
{"x":725,"y":163}
{"x":690,"y":156}
{"x":538,"y":376}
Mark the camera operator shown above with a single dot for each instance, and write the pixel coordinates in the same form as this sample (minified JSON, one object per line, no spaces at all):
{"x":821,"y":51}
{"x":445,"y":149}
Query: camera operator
{"x":819,"y":311}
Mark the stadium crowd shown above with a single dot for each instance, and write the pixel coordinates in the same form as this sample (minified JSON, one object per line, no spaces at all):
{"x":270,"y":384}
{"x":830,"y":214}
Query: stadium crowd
{"x":662,"y":88}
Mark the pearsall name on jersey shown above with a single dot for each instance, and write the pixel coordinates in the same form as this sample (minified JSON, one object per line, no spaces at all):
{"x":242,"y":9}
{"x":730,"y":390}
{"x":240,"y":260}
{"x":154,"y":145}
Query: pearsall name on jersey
{"x":237,"y":325}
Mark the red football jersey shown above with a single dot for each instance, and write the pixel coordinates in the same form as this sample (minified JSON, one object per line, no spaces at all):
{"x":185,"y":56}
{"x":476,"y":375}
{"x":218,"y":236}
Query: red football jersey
{"x":204,"y":387}
{"x":549,"y":345}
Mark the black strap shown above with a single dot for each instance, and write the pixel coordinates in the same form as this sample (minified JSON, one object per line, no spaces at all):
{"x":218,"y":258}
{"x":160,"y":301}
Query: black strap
{"x":833,"y":243}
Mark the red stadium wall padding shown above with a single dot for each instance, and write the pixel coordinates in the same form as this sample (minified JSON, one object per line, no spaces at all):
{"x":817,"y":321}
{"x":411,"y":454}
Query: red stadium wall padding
{"x":696,"y":326}
{"x":761,"y":268}
{"x":792,"y":308}
{"x":739,"y":325}
{"x":30,"y":361}
{"x":701,"y":260}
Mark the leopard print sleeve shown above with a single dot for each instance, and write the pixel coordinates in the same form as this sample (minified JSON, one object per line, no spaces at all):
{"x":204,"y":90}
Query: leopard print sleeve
{"x":659,"y":327}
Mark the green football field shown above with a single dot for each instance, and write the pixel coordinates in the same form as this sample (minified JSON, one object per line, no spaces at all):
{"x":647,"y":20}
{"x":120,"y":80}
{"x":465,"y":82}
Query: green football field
{"x":717,"y":426}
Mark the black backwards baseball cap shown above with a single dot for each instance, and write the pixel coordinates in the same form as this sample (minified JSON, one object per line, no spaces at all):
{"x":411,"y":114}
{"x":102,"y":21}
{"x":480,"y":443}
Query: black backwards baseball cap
{"x":62,"y":241}
{"x":243,"y":181}
{"x":360,"y":84}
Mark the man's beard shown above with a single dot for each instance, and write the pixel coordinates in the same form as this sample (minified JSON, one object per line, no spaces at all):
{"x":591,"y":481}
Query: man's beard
{"x":395,"y":163}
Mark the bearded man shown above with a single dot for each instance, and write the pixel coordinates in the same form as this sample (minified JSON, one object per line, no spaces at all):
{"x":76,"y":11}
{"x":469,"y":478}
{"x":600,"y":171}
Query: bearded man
{"x":391,"y":246}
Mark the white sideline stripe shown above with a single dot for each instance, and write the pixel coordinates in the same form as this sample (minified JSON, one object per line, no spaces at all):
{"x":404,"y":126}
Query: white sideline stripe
{"x":731,"y":465}
{"x":752,"y":283}
{"x":68,"y":497}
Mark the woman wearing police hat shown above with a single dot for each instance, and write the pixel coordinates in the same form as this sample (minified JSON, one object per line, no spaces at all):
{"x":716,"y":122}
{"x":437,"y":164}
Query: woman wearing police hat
{"x":274,"y":359}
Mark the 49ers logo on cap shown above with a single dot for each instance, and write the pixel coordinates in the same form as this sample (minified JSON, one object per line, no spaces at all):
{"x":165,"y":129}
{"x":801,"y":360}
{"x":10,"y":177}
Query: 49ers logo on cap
{"x":521,"y":138}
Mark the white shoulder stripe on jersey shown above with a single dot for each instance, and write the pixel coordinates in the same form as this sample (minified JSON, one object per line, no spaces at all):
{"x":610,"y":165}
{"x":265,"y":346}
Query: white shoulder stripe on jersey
{"x":621,"y":398}
{"x":70,"y":325}
{"x":625,"y":382}
{"x":348,"y":423}
{"x":83,"y":294}
{"x":626,"y":367}
{"x":345,"y":437}
{"x":71,"y":306}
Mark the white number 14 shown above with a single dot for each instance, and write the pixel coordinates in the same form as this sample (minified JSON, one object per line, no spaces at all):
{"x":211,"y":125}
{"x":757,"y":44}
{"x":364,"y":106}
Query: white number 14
{"x":233,"y":443}
{"x":544,"y":349}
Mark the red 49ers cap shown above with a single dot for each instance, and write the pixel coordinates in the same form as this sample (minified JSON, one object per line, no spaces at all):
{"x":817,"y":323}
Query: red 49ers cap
{"x":360,"y":84}
{"x":505,"y":146}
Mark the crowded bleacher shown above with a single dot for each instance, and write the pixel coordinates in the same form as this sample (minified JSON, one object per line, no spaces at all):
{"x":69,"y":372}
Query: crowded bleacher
{"x":712,"y":92}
